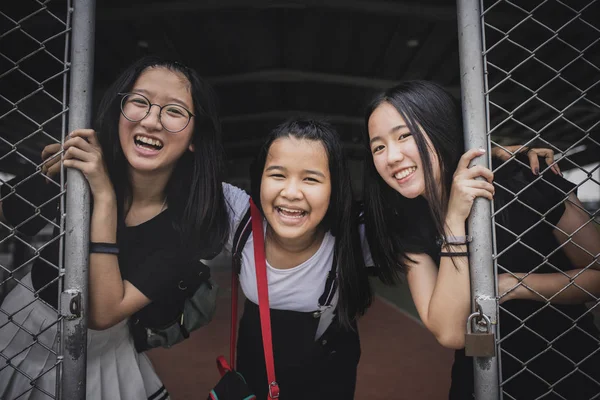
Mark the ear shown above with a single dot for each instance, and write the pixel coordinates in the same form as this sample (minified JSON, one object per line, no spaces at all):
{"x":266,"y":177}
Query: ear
{"x":191,"y":147}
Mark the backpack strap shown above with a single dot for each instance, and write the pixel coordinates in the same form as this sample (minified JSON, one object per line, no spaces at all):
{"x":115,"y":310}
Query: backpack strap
{"x":330,"y":285}
{"x":242,"y":233}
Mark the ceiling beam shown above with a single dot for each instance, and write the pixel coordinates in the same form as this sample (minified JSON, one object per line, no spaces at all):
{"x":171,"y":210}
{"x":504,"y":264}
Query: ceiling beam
{"x":248,"y":146}
{"x":281,"y":115}
{"x":298,"y":76}
{"x":408,"y":9}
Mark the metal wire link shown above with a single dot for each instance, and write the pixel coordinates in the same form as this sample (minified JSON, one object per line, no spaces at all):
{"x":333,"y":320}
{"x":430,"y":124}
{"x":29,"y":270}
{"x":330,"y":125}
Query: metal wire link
{"x":542,"y":90}
{"x":34,"y":41}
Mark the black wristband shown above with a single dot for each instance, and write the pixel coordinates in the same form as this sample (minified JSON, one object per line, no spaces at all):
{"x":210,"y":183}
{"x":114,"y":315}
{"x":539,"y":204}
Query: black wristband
{"x":453,"y":254}
{"x":105,"y":248}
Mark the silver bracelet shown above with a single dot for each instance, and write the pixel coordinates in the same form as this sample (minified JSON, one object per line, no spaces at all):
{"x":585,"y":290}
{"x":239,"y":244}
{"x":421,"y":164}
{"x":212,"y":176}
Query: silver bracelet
{"x":456,"y":240}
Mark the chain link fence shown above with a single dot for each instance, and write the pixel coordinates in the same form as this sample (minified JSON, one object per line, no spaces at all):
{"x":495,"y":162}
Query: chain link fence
{"x":541,"y":70}
{"x":34,"y":82}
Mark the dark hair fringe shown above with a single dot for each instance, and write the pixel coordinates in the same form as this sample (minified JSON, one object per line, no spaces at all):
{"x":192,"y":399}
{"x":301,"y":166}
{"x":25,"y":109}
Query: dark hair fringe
{"x":194,"y":191}
{"x":355,"y":294}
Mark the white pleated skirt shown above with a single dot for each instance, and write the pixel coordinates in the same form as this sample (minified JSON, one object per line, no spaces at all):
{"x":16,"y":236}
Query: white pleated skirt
{"x":115,"y":371}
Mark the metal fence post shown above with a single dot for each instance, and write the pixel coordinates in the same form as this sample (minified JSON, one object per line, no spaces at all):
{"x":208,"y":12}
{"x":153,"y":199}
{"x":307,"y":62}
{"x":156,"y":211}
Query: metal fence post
{"x":480,"y":225}
{"x":74,"y":298}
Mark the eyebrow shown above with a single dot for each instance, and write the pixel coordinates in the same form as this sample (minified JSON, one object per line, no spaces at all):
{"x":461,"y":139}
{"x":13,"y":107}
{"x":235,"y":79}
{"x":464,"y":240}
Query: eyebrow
{"x":170,"y":100}
{"x":314,"y":172}
{"x":394,"y":129}
{"x":307,"y":171}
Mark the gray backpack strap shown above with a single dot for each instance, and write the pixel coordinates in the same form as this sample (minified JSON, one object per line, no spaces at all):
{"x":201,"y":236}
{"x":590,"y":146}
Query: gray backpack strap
{"x":242,"y":233}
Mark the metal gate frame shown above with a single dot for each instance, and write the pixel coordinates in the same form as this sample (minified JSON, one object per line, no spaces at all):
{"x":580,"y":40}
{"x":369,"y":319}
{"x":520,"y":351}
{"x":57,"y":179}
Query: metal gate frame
{"x":476,"y":101}
{"x":38,"y":31}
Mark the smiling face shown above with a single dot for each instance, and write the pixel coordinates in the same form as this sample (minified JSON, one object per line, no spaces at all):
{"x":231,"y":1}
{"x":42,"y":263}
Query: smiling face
{"x":295,"y":187}
{"x":147,"y":146}
{"x":395,"y":153}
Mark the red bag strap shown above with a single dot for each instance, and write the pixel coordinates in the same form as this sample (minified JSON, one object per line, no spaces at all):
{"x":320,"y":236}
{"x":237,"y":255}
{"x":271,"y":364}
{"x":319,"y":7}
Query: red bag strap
{"x":222,"y":364}
{"x":263,"y":297}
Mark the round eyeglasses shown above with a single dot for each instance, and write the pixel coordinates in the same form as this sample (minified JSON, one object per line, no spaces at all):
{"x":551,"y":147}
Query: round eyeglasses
{"x":173,"y":117}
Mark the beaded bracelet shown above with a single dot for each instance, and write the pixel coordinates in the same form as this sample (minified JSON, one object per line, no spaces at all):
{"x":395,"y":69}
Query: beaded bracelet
{"x":456,"y":240}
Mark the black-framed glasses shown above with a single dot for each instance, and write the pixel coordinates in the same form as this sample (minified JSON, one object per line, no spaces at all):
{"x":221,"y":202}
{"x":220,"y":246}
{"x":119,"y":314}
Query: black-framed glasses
{"x":173,"y":117}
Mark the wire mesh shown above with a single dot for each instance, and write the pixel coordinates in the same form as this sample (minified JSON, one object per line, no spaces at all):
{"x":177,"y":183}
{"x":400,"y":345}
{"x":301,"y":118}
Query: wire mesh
{"x":543,"y":91}
{"x":33,"y":85}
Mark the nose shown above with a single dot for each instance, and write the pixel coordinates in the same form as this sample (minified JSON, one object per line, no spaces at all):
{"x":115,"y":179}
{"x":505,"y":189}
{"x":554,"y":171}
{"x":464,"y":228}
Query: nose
{"x":291,"y":190}
{"x":152,"y":120}
{"x":394,"y":154}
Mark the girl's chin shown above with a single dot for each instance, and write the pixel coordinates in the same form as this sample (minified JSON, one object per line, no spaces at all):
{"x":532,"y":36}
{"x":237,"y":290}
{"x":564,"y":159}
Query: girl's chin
{"x":409,"y":192}
{"x":291,"y":232}
{"x":144,"y":167}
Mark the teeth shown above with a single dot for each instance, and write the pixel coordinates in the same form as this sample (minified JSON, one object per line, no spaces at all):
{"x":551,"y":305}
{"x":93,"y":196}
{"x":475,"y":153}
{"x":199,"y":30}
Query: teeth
{"x":294,"y":213}
{"x":405,"y":172}
{"x":150,"y":141}
{"x":291,"y":211}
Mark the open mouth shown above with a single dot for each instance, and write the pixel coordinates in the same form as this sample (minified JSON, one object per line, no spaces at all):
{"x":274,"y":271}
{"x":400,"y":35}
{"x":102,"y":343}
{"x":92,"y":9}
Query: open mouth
{"x":147,"y":143}
{"x":404,"y":173}
{"x":291,"y":213}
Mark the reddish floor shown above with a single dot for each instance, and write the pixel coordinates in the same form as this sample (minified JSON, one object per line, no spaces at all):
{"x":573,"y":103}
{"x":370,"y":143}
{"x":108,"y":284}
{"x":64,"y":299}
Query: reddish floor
{"x":400,"y":359}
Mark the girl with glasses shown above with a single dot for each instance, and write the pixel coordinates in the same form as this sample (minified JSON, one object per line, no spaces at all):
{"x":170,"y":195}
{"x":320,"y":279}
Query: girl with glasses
{"x":419,"y":191}
{"x":154,"y":171}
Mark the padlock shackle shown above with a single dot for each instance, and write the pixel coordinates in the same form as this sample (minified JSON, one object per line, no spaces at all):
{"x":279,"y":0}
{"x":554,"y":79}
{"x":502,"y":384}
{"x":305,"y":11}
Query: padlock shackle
{"x":481,"y":316}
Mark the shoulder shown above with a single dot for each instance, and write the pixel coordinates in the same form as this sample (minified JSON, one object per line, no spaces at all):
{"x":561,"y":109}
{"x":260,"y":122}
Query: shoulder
{"x":238,"y":202}
{"x":236,"y":198}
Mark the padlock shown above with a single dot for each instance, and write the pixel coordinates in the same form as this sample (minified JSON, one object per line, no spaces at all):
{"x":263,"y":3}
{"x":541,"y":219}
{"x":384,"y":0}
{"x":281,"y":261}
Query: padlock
{"x":480,"y":344}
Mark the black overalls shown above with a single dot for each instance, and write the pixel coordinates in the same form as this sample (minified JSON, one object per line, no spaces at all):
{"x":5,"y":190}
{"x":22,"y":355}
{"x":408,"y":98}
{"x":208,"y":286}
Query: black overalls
{"x":305,"y":367}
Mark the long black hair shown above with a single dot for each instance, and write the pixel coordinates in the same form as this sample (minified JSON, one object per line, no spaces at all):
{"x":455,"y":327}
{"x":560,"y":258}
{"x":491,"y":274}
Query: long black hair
{"x":396,"y":225}
{"x":341,"y":219}
{"x":194,"y":190}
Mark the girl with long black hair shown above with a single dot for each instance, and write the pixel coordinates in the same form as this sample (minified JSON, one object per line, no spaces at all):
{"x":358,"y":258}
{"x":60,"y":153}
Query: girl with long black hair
{"x":301,"y":185}
{"x":419,"y":190}
{"x":154,"y":170}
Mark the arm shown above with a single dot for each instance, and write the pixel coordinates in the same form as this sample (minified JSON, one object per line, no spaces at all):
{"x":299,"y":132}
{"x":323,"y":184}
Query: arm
{"x":588,"y":237}
{"x":587,"y":272}
{"x":543,"y":287}
{"x":111,"y":299}
{"x":504,"y":153}
{"x":442,"y":294}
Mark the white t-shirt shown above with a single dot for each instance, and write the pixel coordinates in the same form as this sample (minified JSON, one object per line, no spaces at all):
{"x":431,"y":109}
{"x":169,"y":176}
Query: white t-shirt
{"x":295,"y":289}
